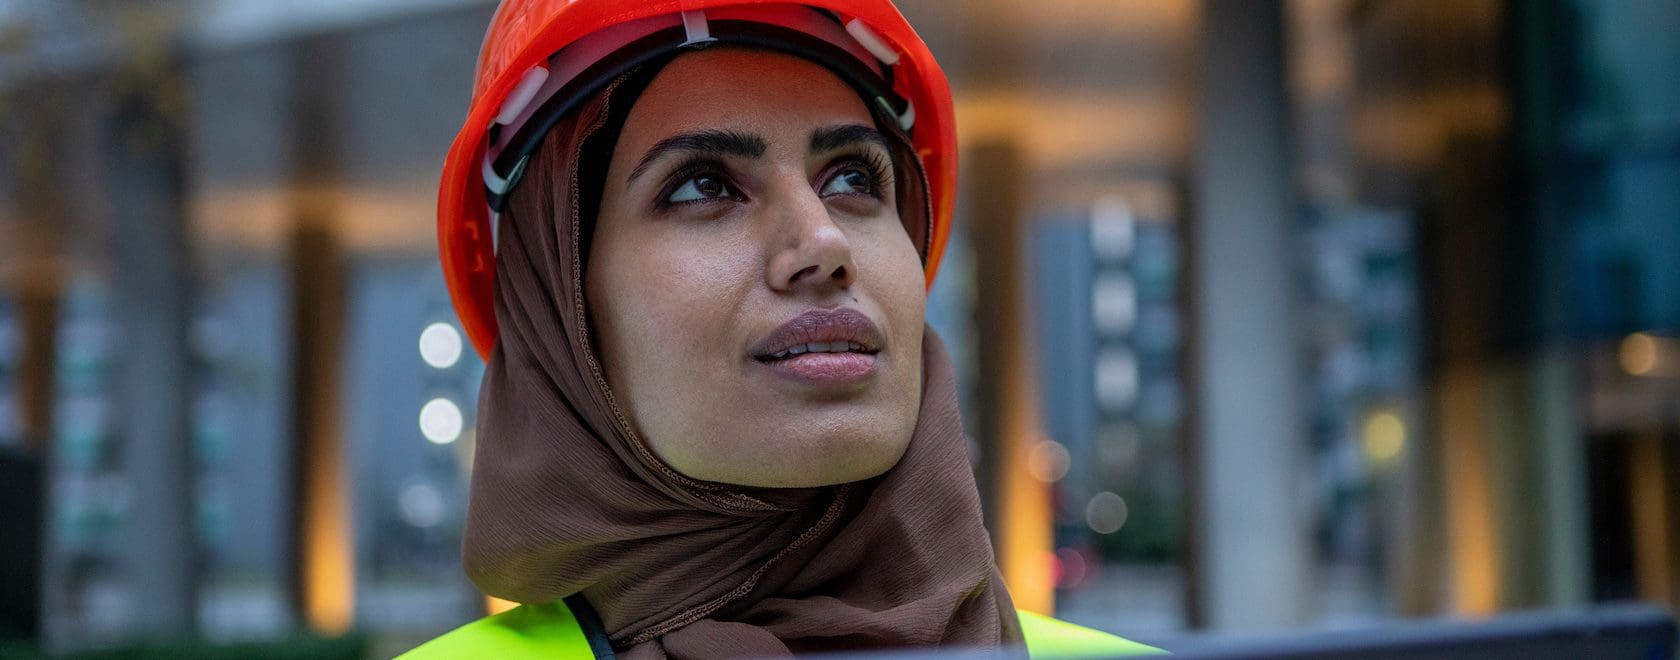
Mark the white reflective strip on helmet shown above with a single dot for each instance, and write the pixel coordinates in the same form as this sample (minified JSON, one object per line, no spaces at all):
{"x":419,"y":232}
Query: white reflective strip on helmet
{"x":694,"y":25}
{"x":872,"y":42}
{"x":521,"y":95}
{"x":573,"y":59}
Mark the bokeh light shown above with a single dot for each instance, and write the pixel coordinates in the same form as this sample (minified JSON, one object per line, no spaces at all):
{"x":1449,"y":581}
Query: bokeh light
{"x":1048,"y":461}
{"x":1106,"y":513}
{"x":421,"y":505}
{"x":1385,"y":437}
{"x":1114,"y":303}
{"x":1113,"y":231}
{"x":440,"y":345}
{"x":440,"y":421}
{"x":1640,"y":354}
{"x":1072,"y":569}
{"x":1117,"y":378}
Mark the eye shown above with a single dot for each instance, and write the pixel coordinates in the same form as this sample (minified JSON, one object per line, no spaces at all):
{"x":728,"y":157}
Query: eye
{"x":850,"y":181}
{"x":701,"y":187}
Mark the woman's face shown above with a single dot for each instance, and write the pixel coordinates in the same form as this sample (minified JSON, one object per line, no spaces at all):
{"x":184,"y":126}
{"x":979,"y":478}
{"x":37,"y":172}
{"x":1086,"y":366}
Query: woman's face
{"x":757,"y":302}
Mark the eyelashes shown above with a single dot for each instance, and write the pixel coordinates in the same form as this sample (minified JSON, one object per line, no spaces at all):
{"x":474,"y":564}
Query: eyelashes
{"x":703,"y":180}
{"x":698,"y":182}
{"x":874,"y":167}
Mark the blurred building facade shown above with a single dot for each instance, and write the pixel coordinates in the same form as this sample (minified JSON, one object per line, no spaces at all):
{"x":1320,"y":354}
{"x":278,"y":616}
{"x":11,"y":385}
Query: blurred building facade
{"x":1268,"y":315}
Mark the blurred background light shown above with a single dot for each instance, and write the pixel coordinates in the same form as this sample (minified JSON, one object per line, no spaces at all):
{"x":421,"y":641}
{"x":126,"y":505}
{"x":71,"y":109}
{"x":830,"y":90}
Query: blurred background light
{"x":1639,"y":354}
{"x":421,"y":505}
{"x":1072,"y":568}
{"x":1113,"y":230}
{"x":441,"y":421}
{"x":440,"y":345}
{"x":1117,"y":377}
{"x":1385,"y":437}
{"x":1048,"y":461}
{"x":1648,"y":354}
{"x":1114,"y":303}
{"x":1106,"y":513}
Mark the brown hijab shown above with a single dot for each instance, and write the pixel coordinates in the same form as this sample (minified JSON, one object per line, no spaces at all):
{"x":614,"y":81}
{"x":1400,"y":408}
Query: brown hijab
{"x":568,"y":499}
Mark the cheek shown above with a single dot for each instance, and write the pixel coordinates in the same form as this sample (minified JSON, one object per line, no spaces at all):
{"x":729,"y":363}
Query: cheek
{"x":893,"y":271}
{"x":663,"y":308}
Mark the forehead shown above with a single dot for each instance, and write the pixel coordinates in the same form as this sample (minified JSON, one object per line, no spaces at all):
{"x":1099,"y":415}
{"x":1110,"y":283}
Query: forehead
{"x":754,"y":91}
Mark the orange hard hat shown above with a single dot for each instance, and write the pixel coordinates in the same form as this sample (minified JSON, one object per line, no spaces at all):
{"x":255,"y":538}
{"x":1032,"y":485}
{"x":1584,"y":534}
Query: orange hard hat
{"x":540,"y":57}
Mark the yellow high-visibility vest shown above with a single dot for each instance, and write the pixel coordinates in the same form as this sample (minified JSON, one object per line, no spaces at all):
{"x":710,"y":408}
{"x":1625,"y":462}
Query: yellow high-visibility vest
{"x":553,"y":631}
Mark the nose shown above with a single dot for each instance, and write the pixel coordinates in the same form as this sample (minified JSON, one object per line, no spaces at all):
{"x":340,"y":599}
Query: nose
{"x":811,"y":251}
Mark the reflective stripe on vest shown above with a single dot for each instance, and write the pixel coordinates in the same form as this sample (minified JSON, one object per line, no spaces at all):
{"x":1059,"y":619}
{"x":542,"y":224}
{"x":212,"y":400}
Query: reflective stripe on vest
{"x":552,"y":631}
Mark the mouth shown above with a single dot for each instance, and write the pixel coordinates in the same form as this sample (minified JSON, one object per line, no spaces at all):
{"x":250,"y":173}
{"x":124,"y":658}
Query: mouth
{"x":816,"y":347}
{"x":825,"y":347}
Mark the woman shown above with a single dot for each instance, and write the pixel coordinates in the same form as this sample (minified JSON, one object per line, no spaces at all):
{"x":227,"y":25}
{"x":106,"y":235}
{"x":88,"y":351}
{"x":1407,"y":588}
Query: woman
{"x":713,"y":422}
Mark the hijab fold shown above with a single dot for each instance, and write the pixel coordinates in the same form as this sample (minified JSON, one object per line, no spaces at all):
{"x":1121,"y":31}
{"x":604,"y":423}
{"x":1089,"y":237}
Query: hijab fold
{"x":568,"y":499}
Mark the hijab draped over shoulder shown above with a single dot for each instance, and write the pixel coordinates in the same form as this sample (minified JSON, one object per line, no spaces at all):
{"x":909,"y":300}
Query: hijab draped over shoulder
{"x":568,"y":499}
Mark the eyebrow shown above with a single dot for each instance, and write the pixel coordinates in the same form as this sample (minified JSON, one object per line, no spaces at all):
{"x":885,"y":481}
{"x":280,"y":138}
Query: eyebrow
{"x":718,"y":143}
{"x":735,"y":143}
{"x":836,"y":137}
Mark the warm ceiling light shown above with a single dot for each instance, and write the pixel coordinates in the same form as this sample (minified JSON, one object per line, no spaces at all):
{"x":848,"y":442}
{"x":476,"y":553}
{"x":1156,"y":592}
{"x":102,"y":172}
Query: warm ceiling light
{"x":1385,"y":437}
{"x":1640,"y":354}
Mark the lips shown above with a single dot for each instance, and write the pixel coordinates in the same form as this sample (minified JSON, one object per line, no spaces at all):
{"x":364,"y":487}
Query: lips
{"x":836,"y":331}
{"x":822,"y":347}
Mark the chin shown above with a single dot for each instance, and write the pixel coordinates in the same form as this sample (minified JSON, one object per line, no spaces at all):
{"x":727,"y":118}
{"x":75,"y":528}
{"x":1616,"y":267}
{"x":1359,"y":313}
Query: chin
{"x":851,"y":460}
{"x":808,"y":457}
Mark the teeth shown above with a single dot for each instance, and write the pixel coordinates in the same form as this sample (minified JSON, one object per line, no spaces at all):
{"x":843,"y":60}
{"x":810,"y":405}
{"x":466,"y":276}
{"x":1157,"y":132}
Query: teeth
{"x":820,"y":347}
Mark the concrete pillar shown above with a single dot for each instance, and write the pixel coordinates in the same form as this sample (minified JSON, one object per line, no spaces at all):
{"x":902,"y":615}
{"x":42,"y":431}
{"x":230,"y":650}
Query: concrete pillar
{"x":1514,"y":488}
{"x":323,"y":577}
{"x":34,"y":230}
{"x":153,"y":384}
{"x":1562,"y":478}
{"x":1018,"y":506}
{"x":1651,"y":491}
{"x":38,"y":307}
{"x":1251,"y":559}
{"x":35,"y":234}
